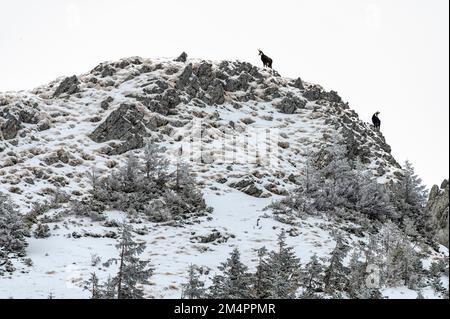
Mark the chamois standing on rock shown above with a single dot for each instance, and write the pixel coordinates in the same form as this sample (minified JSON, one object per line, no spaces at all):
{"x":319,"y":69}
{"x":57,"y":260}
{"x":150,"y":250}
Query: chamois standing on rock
{"x":376,"y":121}
{"x":265,"y":59}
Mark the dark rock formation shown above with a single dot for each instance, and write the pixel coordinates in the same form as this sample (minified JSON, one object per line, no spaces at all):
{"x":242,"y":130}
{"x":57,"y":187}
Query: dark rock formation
{"x":437,"y":210}
{"x":69,"y":86}
{"x":182,"y":57}
{"x":125,"y":124}
{"x":248,"y":186}
{"x":290,"y":104}
{"x":10,"y":128}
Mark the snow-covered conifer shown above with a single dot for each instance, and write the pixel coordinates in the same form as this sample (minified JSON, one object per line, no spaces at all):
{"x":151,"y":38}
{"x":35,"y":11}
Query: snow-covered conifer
{"x":234,"y":281}
{"x":284,"y":271}
{"x":13,"y":230}
{"x":133,"y":272}
{"x":195,"y":287}
{"x":335,"y":278}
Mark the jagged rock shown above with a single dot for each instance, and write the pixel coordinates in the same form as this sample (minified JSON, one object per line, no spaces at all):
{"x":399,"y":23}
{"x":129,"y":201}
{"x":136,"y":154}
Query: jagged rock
{"x":275,"y":190}
{"x":272,"y":92}
{"x":10,"y":128}
{"x":283,"y":144}
{"x":248,"y":186}
{"x":126,"y":124}
{"x":313,"y":94}
{"x":60,"y":155}
{"x":298,"y":84}
{"x":204,"y":74}
{"x":43,"y":125}
{"x":215,"y":93}
{"x":105,"y":103}
{"x":157,"y":87}
{"x":132,"y":142}
{"x":182,"y":57}
{"x":156,"y":121}
{"x":240,"y":84}
{"x":163,"y":104}
{"x":170,"y":99}
{"x":184,"y":77}
{"x":332,"y":96}
{"x":69,"y":86}
{"x":28,"y":116}
{"x":438,"y":210}
{"x":290,"y":104}
{"x":108,"y":71}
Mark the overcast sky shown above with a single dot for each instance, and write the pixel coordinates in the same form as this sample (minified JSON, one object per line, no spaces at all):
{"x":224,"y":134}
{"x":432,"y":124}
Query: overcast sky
{"x":385,"y":55}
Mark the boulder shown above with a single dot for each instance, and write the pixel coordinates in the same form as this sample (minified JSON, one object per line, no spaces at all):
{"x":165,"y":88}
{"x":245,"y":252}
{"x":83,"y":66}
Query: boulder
{"x":290,"y":104}
{"x":10,"y":128}
{"x":248,"y":186}
{"x":313,"y":94}
{"x":68,"y":86}
{"x":182,"y":57}
{"x":215,"y":93}
{"x":298,"y":84}
{"x":105,"y":103}
{"x":183,"y":79}
{"x":125,"y":124}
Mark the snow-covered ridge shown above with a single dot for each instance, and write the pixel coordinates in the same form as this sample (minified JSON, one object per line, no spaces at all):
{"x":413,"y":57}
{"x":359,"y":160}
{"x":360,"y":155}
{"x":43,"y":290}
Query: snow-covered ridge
{"x":214,"y":113}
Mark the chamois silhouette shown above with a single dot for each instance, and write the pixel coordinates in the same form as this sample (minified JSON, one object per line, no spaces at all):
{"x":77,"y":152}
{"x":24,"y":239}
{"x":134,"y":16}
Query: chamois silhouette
{"x":376,"y":121}
{"x":265,"y":59}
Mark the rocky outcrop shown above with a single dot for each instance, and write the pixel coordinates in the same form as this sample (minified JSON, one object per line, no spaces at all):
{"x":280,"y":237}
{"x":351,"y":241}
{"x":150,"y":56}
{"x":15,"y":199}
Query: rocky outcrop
{"x":437,"y":210}
{"x":290,"y":104}
{"x":125,"y":124}
{"x":14,"y":114}
{"x":10,"y":128}
{"x":182,"y":57}
{"x":298,"y":84}
{"x":248,"y":186}
{"x":68,"y":86}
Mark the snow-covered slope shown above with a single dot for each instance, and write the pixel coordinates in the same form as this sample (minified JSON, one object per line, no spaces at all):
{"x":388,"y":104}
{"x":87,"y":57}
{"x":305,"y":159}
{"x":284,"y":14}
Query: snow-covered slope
{"x":246,"y":132}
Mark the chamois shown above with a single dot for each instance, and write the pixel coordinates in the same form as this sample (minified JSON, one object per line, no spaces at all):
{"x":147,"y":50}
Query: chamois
{"x":265,"y":59}
{"x":376,"y":121}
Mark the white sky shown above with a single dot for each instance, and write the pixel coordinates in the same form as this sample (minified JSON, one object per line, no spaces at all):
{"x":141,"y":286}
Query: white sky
{"x":386,"y":55}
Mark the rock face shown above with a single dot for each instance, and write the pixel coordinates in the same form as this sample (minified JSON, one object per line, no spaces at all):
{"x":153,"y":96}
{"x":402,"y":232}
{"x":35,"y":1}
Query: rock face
{"x":248,"y":186}
{"x":290,"y":104}
{"x":182,"y":57}
{"x":69,"y":86}
{"x":125,"y":124}
{"x":10,"y":128}
{"x":438,"y":209}
{"x":14,"y":115}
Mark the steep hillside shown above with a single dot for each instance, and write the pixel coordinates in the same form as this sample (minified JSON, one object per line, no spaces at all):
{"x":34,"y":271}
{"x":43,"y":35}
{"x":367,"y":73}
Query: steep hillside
{"x":55,"y":133}
{"x":246,"y":132}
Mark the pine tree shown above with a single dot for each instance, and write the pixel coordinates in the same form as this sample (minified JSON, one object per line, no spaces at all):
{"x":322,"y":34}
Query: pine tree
{"x":373,"y":199}
{"x":284,"y":271}
{"x":155,"y":164}
{"x":93,"y":286}
{"x":312,"y":276}
{"x":109,"y":289}
{"x":195,"y":287}
{"x":132,"y":271}
{"x":234,"y":280}
{"x":410,"y":197}
{"x":402,"y":265}
{"x":13,"y":230}
{"x":357,"y":275}
{"x":261,"y":281}
{"x":335,"y":278}
{"x":183,"y":177}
